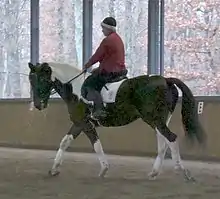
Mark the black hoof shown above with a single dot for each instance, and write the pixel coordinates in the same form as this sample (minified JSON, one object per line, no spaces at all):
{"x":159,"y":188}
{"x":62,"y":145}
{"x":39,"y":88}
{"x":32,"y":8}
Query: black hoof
{"x":53,"y":174}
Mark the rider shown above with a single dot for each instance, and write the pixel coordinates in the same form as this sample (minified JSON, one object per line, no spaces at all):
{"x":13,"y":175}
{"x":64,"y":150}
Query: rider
{"x":111,"y":56}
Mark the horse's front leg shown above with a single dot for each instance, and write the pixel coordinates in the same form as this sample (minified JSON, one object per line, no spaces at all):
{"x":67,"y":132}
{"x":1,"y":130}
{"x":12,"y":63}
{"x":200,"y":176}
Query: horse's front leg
{"x":64,"y":144}
{"x":91,"y":133}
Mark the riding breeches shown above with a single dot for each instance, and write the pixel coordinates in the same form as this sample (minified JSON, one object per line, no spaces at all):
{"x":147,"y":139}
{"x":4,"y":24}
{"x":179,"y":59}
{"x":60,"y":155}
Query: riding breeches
{"x":92,"y":87}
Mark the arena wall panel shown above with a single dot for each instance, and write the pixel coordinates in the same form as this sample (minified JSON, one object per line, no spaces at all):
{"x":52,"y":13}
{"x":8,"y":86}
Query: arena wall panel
{"x":23,"y":128}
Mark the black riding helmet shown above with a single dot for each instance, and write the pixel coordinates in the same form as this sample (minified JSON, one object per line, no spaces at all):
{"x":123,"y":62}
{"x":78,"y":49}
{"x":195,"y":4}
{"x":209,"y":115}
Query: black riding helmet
{"x":110,"y":23}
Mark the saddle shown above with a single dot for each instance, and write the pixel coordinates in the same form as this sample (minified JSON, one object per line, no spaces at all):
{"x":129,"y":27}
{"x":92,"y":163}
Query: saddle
{"x":116,"y":77}
{"x":109,"y":90}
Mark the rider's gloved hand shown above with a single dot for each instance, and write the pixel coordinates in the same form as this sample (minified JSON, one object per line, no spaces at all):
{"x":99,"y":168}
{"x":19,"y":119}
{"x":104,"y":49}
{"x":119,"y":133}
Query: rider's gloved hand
{"x":86,"y":66}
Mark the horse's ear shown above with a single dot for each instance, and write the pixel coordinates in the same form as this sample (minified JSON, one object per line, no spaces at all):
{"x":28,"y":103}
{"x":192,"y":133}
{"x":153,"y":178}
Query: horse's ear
{"x":32,"y":67}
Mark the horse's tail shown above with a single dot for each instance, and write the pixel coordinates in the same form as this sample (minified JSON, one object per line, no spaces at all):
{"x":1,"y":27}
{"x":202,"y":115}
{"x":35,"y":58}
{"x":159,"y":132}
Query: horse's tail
{"x":190,"y":119}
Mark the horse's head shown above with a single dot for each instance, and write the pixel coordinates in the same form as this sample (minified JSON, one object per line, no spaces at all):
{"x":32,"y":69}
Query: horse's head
{"x":41,"y":83}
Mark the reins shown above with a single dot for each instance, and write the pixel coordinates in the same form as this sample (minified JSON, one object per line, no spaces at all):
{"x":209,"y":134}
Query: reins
{"x":53,"y":91}
{"x":83,"y":72}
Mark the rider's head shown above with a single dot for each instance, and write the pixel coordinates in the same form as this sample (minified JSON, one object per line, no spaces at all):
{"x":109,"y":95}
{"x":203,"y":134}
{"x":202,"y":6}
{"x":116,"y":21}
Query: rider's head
{"x":108,"y":25}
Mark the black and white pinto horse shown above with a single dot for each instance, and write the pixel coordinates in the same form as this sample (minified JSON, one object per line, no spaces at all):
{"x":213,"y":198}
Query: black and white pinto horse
{"x":47,"y":76}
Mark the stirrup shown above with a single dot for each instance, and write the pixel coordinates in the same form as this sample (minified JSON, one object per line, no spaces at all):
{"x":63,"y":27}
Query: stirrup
{"x":93,"y":118}
{"x":100,"y":115}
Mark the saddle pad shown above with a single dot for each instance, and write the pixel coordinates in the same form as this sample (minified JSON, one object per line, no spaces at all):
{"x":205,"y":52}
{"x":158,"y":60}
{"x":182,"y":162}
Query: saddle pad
{"x":109,"y":95}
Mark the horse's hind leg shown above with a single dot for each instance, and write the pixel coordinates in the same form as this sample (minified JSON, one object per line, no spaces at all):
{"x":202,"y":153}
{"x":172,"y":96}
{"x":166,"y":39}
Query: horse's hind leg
{"x":174,"y":147}
{"x":64,"y":144}
{"x":161,"y":151}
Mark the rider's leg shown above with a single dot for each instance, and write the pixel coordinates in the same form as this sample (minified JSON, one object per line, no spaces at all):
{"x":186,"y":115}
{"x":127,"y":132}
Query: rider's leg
{"x":96,"y":97}
{"x":89,"y":82}
{"x":91,"y":91}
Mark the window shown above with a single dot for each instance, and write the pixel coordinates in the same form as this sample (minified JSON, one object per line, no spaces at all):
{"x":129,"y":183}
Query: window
{"x":131,"y":17}
{"x":192,"y":44}
{"x":14,"y":49}
{"x":61,"y":31}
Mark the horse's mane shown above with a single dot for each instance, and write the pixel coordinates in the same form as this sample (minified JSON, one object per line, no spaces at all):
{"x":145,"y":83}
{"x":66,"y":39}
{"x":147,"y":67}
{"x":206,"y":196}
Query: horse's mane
{"x":65,"y":72}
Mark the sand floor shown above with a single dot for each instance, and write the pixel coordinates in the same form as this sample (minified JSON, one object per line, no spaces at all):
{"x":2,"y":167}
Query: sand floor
{"x":24,"y":175}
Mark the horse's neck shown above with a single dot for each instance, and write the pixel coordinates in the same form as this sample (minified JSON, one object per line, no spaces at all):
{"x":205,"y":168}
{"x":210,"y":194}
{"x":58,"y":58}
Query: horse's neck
{"x":65,"y":92}
{"x":69,"y":98}
{"x":76,"y":83}
{"x":63,"y":73}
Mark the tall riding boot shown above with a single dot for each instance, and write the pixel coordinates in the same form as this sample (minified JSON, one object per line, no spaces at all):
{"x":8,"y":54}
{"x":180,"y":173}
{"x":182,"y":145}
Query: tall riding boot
{"x":96,"y":97}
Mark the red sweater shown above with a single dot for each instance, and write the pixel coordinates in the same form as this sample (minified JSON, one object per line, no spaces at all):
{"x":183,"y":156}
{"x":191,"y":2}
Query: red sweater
{"x":110,"y":54}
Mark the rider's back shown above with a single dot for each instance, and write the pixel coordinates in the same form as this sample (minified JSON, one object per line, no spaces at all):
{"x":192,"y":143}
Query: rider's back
{"x":114,"y":57}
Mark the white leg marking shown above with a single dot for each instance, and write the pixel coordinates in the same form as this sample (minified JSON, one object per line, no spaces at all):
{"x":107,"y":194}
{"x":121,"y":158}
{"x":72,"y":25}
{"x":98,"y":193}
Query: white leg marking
{"x":64,"y":144}
{"x":168,"y":119}
{"x":174,"y":147}
{"x":102,"y":158}
{"x":161,"y":148}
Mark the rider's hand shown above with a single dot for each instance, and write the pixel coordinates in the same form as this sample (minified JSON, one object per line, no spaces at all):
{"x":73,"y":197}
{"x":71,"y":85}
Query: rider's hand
{"x":85,"y":67}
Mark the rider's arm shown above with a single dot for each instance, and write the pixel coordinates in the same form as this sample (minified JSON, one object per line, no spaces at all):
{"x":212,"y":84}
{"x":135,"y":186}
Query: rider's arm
{"x":98,"y":55}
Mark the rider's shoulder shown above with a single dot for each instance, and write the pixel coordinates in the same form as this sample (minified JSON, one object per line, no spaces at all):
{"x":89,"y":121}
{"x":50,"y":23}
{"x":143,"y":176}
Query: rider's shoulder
{"x":111,"y":37}
{"x":106,"y":40}
{"x":109,"y":40}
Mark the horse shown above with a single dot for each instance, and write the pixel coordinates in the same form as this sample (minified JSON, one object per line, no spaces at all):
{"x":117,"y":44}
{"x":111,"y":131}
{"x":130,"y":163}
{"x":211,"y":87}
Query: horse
{"x":151,"y":98}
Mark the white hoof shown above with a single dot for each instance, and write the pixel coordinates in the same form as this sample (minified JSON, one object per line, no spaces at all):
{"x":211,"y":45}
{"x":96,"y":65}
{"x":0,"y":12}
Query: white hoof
{"x":54,"y":172}
{"x":153,"y":175}
{"x":104,"y":170}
